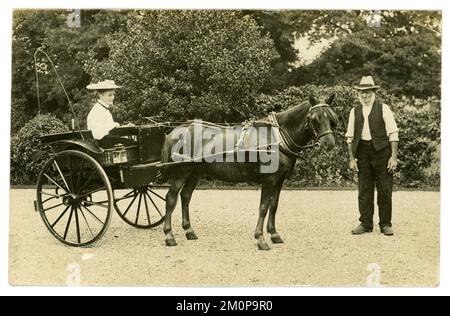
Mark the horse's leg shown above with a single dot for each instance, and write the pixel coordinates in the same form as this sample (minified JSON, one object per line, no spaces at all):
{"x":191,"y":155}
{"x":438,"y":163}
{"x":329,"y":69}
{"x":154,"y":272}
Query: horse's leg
{"x":273,"y":206}
{"x":266,"y":196}
{"x":171,"y":201}
{"x":186,"y":195}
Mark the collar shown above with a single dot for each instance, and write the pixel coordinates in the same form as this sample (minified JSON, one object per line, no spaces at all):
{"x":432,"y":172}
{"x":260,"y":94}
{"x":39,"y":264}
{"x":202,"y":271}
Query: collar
{"x":104,"y":105}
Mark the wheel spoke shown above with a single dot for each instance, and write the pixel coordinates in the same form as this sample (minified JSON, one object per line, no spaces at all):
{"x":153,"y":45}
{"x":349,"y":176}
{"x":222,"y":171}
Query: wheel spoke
{"x":146,"y":208}
{"x":95,"y":203}
{"x":162,"y":186}
{"x":62,"y":176}
{"x":124,"y":198}
{"x":79,"y":174}
{"x":89,"y":211}
{"x":68,"y":223}
{"x":52,"y":207}
{"x":55,"y":183}
{"x":91,"y":192}
{"x":137,"y":218}
{"x":102,"y":202}
{"x":50,"y":194}
{"x":77,"y":223}
{"x":87,"y":224}
{"x":60,"y":216}
{"x":70,"y":190}
{"x":90,"y":178}
{"x":139,"y":208}
{"x":157,"y":195}
{"x":50,"y":198}
{"x":154,"y":204}
{"x":69,"y":163}
{"x":128,"y":208}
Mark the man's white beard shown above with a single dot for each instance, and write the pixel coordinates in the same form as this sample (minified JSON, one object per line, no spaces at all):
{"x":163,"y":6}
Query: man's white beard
{"x":369,"y":103}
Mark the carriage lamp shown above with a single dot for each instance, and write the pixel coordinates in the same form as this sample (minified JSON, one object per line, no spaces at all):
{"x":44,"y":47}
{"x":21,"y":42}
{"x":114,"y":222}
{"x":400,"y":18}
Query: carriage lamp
{"x":119,"y":154}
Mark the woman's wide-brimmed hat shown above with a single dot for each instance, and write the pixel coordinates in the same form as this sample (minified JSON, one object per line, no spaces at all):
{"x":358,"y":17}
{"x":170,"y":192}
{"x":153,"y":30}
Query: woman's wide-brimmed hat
{"x":103,"y":85}
{"x":367,"y":83}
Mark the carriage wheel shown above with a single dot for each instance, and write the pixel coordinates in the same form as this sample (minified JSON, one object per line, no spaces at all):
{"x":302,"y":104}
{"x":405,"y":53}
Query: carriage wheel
{"x":74,"y":198}
{"x":142,"y":207}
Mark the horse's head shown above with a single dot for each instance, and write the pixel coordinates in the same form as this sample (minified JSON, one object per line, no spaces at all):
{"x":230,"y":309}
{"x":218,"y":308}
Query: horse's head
{"x":321,"y":122}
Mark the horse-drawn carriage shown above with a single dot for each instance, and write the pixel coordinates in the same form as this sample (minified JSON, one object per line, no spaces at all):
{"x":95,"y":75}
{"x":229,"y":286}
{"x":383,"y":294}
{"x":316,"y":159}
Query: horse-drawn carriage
{"x":81,"y":184}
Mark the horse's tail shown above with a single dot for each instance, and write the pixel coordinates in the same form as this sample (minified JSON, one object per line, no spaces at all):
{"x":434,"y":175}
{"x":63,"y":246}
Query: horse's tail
{"x":165,"y":157}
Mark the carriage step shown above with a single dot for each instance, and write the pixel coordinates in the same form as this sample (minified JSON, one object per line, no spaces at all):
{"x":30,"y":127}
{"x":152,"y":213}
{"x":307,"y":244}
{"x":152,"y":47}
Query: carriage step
{"x":36,"y":208}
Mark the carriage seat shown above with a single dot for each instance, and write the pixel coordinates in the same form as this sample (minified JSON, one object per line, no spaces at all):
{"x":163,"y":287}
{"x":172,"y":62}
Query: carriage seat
{"x":86,"y":137}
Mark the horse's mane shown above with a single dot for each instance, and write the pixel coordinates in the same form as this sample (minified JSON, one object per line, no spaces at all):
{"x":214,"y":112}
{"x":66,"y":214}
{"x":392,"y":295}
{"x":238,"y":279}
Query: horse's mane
{"x":303,"y":108}
{"x":334,"y":119}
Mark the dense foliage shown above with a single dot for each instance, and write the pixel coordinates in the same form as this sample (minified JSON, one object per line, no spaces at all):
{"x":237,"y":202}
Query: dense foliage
{"x":28,"y":153}
{"x":403,"y":64}
{"x":68,"y":48}
{"x":187,"y":64}
{"x":230,"y":66}
{"x":419,"y":146}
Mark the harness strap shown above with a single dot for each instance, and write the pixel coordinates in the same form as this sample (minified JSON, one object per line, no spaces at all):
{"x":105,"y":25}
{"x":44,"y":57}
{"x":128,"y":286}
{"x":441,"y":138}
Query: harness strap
{"x":288,"y":145}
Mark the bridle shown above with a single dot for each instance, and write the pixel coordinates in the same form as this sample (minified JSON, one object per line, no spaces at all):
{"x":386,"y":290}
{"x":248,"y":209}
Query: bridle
{"x":310,"y":126}
{"x":288,"y":145}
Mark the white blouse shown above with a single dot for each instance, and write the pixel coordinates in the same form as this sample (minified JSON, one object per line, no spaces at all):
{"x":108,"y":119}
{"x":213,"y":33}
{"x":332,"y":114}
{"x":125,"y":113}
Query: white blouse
{"x":100,"y":121}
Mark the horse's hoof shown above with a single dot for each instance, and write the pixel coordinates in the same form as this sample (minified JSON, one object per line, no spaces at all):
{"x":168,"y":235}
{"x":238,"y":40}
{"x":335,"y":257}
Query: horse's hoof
{"x":263,"y":246}
{"x":277,"y":239}
{"x":191,"y":236}
{"x":171,"y":243}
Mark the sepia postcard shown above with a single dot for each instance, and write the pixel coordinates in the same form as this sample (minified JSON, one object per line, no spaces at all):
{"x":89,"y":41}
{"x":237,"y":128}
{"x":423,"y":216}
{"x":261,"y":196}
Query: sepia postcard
{"x":225,"y":148}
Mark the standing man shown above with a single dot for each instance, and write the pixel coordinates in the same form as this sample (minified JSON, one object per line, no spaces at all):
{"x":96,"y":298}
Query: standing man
{"x":372,"y":138}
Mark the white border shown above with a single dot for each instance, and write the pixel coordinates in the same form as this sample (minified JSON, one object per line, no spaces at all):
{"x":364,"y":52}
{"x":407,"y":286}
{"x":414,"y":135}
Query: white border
{"x":5,"y":93}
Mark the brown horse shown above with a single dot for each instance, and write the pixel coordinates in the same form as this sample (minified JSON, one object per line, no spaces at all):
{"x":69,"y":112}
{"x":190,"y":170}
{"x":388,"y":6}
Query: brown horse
{"x":298,"y":127}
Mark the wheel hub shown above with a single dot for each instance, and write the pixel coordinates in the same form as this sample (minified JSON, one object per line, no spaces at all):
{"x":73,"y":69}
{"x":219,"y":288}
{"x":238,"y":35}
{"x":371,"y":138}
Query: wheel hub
{"x":70,"y":199}
{"x":142,"y":189}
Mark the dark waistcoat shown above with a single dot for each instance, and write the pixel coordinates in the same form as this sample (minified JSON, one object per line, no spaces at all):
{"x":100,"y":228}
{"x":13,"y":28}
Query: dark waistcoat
{"x":377,"y":127}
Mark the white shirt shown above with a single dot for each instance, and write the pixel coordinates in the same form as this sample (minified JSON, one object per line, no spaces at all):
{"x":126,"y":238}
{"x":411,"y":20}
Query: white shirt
{"x":389,"y":122}
{"x":100,"y":121}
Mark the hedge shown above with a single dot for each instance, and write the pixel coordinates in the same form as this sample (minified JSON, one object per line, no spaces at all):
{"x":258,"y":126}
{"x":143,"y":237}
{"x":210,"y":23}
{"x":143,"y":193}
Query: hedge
{"x":419,"y":146}
{"x":28,"y":154}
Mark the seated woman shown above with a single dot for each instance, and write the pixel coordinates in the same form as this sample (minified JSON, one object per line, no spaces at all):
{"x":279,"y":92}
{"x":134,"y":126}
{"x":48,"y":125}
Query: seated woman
{"x":100,"y":120}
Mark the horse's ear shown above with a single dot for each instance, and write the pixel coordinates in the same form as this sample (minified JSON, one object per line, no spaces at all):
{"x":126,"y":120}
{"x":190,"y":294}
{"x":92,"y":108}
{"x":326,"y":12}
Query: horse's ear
{"x":313,"y":100}
{"x":331,"y":99}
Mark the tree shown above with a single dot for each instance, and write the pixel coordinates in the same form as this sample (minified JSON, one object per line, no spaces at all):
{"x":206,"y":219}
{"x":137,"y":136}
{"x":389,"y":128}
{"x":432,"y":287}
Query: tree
{"x":29,"y":29}
{"x":281,"y":31}
{"x":48,"y":29}
{"x":404,"y":65}
{"x":187,"y":64}
{"x":284,"y":26}
{"x":403,"y":54}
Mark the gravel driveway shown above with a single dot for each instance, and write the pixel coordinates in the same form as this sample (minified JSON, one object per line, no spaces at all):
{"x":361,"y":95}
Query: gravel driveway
{"x":318,"y":251}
